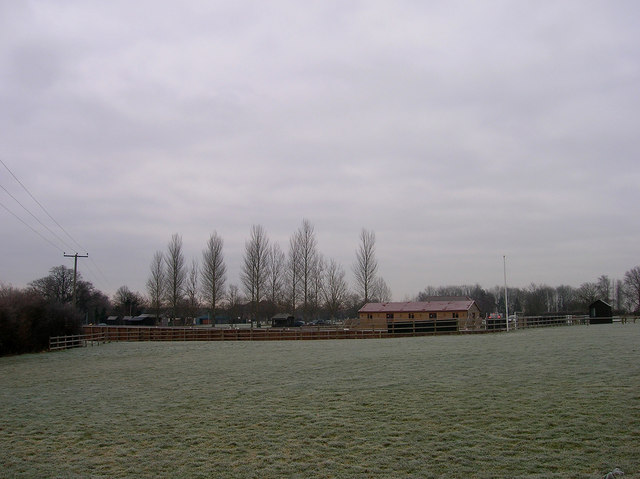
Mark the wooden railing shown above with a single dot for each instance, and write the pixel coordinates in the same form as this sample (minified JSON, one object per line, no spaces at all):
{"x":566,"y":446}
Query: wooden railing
{"x":57,"y":343}
{"x":95,"y":333}
{"x":176,"y":333}
{"x":549,"y":321}
{"x":524,"y":322}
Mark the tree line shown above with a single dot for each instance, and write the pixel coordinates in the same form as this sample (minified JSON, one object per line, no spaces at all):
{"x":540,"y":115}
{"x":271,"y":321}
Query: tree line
{"x":302,"y":282}
{"x":299,"y":280}
{"x":540,"y":299}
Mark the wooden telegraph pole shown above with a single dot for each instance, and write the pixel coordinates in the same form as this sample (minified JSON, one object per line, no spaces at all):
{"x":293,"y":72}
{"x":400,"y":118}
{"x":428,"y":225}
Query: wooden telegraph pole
{"x":75,"y":271}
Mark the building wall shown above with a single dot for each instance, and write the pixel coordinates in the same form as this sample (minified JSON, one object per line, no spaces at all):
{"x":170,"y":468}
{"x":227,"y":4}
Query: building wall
{"x":473,"y":313}
{"x":372,"y":323}
{"x":466,"y":319}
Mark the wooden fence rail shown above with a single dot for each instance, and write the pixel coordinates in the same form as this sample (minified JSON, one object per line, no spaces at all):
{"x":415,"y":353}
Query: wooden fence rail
{"x":177,"y":333}
{"x":57,"y":343}
{"x":95,"y":334}
{"x":162,"y":333}
{"x":567,"y":320}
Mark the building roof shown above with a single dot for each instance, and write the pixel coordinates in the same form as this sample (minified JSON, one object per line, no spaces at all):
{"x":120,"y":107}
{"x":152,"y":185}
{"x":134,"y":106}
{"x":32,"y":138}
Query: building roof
{"x":443,"y":298}
{"x":599,"y":301}
{"x":419,"y":306}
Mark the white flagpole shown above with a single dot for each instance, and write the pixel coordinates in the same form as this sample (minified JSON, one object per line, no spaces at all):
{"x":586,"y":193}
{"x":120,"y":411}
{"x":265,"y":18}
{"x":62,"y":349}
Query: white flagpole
{"x":506,"y":298}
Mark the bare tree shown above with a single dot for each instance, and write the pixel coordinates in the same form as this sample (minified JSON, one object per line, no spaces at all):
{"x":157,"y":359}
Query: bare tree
{"x":293,"y":273}
{"x":255,"y":268}
{"x":276,"y":275}
{"x":605,"y":287}
{"x":619,"y":294}
{"x":632,"y":287}
{"x":57,"y":286}
{"x":191,"y":293}
{"x":176,"y":273}
{"x":127,"y":302}
{"x":366,"y":264}
{"x":213,"y":274}
{"x":317,"y":284}
{"x":156,"y":283}
{"x":539,"y":299}
{"x":308,"y":258}
{"x":565,"y":298}
{"x":335,"y":289}
{"x":587,"y":293}
{"x":233,"y":302}
{"x":380,"y":291}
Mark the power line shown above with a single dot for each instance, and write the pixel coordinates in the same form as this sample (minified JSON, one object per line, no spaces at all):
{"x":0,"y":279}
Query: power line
{"x":33,"y":229}
{"x":45,"y":226}
{"x":103,"y":280}
{"x":35,"y":217}
{"x":42,"y":207}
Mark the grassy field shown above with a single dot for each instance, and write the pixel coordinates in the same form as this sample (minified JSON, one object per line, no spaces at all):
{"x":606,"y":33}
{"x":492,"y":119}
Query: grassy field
{"x":545,"y":403}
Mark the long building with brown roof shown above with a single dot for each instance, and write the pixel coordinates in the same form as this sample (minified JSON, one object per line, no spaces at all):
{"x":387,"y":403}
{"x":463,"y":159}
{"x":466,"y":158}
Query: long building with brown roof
{"x":436,"y":315}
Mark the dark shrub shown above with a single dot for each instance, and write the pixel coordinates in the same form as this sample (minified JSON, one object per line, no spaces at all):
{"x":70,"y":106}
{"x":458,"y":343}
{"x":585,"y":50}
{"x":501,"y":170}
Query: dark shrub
{"x":27,"y":321}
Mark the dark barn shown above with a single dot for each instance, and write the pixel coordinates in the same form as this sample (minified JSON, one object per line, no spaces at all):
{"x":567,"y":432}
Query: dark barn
{"x":283,"y":320}
{"x":600,"y":312}
{"x":142,"y":320}
{"x":113,"y":320}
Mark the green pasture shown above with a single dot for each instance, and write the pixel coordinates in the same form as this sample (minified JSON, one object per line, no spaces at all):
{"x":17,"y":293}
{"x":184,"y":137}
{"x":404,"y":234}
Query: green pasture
{"x":546,"y":403}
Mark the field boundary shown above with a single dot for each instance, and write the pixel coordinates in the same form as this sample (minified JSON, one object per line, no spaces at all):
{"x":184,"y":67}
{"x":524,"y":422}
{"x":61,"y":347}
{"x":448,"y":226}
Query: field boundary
{"x":96,"y":334}
{"x":195,"y":333}
{"x":526,"y":322}
{"x":177,"y":333}
{"x":57,"y":343}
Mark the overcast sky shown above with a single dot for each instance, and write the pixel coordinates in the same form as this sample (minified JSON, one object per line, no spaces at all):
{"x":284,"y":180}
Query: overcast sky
{"x":458,"y":132}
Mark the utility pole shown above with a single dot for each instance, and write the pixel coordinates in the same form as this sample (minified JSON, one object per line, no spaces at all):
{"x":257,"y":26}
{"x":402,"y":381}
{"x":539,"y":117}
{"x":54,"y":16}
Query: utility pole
{"x":75,"y":271}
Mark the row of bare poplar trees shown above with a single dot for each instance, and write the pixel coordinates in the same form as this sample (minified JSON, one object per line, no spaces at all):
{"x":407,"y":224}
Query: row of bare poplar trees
{"x":299,"y":281}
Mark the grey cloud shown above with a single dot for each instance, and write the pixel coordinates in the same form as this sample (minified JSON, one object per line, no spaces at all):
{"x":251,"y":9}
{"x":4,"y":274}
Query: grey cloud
{"x":458,"y":132}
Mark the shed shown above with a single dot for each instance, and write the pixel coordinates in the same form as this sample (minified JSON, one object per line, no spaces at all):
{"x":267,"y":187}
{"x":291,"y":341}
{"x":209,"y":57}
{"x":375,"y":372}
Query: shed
{"x":283,"y":320}
{"x":113,"y":320}
{"x":600,"y":312}
{"x":141,"y":320}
